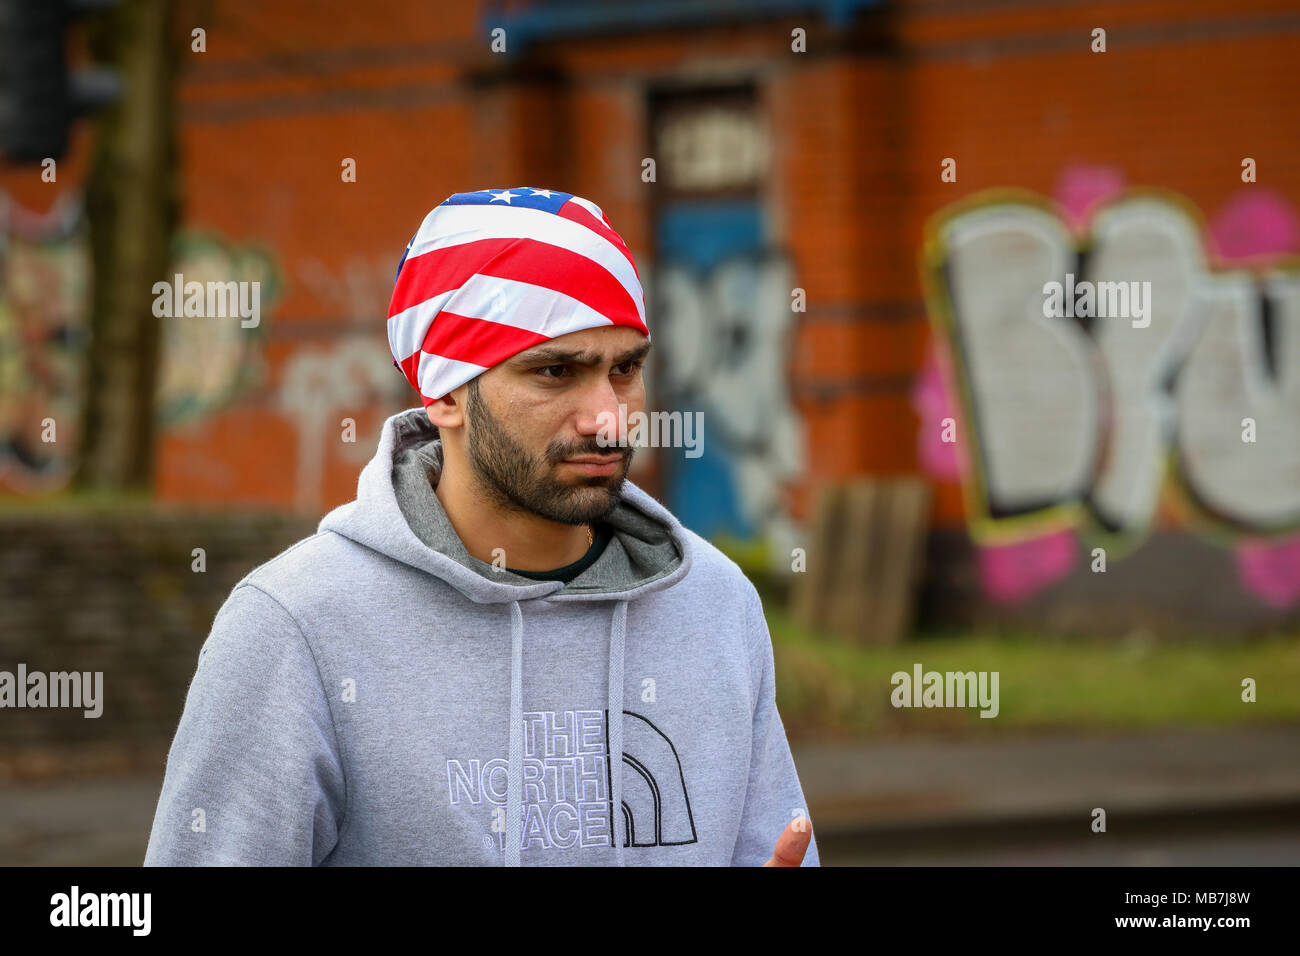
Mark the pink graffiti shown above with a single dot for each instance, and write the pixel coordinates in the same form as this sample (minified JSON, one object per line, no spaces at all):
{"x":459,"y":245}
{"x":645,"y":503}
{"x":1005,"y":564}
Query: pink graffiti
{"x":1271,"y":571}
{"x":1010,"y":573}
{"x":1082,"y":187}
{"x":1255,"y":222}
{"x":932,"y":404}
{"x":1260,"y":222}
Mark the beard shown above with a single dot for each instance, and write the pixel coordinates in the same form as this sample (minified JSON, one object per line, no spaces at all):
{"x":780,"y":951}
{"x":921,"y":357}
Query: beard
{"x":516,"y":480}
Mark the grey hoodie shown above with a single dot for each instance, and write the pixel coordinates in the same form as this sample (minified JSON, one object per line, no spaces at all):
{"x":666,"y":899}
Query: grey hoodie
{"x":375,"y":695}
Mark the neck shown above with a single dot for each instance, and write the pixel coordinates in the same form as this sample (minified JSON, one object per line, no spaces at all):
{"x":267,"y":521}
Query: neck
{"x":527,"y":541}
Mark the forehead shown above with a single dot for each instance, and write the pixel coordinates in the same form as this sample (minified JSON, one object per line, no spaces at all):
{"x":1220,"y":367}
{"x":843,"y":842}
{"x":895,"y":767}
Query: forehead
{"x":592,"y":345}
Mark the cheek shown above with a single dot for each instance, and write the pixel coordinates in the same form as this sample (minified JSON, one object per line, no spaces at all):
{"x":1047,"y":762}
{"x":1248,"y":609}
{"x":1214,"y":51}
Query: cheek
{"x":535,"y":426}
{"x":634,"y":397}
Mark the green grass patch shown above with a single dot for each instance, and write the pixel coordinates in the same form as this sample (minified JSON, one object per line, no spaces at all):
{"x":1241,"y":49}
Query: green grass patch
{"x":829,"y":688}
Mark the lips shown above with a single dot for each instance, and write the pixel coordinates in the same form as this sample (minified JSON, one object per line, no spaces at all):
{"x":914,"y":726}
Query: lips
{"x":593,"y":465}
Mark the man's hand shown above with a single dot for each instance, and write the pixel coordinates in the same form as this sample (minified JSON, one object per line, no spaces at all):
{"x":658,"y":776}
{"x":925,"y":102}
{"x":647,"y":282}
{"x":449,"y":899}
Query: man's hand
{"x":792,"y":844}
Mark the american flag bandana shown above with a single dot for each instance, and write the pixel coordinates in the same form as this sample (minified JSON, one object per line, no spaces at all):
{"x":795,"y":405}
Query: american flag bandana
{"x":494,"y":272}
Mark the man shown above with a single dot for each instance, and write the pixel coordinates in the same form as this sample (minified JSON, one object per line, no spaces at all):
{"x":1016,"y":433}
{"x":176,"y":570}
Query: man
{"x":440,"y":673}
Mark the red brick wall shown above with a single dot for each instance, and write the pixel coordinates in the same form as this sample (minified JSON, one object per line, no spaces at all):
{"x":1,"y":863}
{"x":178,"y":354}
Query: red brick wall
{"x":860,"y":124}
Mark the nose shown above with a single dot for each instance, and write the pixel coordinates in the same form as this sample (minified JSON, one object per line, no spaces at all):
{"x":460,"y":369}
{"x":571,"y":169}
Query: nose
{"x":600,"y":416}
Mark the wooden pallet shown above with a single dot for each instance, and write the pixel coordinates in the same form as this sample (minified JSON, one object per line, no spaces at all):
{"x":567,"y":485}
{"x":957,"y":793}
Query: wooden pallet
{"x":863,"y":559}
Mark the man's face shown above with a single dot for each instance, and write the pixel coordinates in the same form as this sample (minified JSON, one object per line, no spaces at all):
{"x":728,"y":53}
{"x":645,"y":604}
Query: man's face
{"x":548,"y":404}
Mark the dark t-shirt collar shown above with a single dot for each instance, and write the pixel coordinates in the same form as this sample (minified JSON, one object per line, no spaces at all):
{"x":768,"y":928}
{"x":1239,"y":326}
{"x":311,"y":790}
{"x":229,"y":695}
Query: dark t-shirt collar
{"x":599,"y":538}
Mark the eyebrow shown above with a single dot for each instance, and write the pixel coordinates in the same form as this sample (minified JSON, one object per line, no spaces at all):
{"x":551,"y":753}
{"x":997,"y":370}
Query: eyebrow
{"x":555,"y":355}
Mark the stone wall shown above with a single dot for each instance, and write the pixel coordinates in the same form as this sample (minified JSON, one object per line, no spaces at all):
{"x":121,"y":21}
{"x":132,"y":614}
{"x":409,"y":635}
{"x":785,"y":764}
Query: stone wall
{"x":117,"y":592}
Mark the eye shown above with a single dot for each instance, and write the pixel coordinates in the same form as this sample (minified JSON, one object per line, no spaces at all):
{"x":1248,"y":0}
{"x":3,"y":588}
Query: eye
{"x":543,"y":368}
{"x":632,"y":366}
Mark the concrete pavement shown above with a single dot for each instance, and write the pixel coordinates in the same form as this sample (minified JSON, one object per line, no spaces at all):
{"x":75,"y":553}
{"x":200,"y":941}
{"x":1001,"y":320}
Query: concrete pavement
{"x":932,"y":800}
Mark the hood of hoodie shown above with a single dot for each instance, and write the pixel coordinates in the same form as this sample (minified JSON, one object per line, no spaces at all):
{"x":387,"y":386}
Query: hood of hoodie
{"x":397,"y":513}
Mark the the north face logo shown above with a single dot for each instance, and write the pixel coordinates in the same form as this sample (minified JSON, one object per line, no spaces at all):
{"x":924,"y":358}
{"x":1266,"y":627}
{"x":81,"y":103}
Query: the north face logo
{"x":567,"y":784}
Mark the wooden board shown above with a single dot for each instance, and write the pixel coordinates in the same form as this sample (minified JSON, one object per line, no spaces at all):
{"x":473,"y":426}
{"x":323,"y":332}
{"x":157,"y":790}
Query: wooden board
{"x":863,"y":559}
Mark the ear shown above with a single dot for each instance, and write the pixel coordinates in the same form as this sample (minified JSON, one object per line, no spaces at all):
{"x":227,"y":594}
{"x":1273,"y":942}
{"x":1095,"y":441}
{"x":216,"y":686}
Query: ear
{"x":449,"y":411}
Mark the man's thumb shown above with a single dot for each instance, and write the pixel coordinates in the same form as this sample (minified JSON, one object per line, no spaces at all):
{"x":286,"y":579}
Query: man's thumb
{"x":792,"y":844}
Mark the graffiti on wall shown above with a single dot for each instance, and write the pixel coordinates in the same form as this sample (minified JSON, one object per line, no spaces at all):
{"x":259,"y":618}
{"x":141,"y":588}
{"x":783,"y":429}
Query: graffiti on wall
{"x":721,"y":316}
{"x":350,"y":377}
{"x":1098,"y":428}
{"x":44,"y":288}
{"x":322,"y":386}
{"x":722,"y":342}
{"x":44,"y":334}
{"x":206,"y":363}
